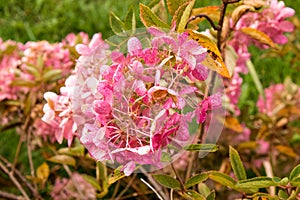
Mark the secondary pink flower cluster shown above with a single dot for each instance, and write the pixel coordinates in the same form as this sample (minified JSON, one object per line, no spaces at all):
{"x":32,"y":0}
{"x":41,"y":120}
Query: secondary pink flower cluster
{"x":272,"y":21}
{"x":10,"y":56}
{"x":74,"y":188}
{"x":127,"y":108}
{"x":278,"y":97}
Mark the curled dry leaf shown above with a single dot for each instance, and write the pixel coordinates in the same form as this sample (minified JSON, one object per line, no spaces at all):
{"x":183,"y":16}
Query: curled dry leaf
{"x":255,"y":3}
{"x":240,"y":11}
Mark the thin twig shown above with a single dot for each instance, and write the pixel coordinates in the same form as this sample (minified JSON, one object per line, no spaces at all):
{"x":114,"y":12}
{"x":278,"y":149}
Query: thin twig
{"x":7,"y":195}
{"x":153,"y":182}
{"x":152,"y":188}
{"x":21,"y":177}
{"x":126,"y":188}
{"x":14,"y":180}
{"x":178,"y":178}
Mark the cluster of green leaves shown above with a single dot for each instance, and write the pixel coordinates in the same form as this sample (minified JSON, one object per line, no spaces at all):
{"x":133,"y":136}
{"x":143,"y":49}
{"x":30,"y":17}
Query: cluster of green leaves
{"x":287,"y":187}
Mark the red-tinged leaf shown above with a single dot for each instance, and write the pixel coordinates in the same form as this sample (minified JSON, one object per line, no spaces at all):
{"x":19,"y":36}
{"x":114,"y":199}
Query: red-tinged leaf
{"x":196,"y":180}
{"x":236,"y":164}
{"x":63,"y":159}
{"x":150,"y":19}
{"x":167,"y":181}
{"x":185,"y":16}
{"x":173,"y":5}
{"x":259,"y":36}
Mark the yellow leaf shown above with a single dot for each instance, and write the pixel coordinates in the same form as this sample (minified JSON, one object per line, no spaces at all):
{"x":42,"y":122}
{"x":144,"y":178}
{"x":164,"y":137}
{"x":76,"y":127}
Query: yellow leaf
{"x":213,"y":60}
{"x":286,"y":150}
{"x":63,"y":159}
{"x":43,"y":172}
{"x":212,"y":12}
{"x":259,"y":36}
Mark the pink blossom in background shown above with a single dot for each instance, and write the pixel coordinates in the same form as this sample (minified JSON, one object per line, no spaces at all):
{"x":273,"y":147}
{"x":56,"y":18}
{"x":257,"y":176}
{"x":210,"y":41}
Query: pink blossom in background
{"x":272,"y":21}
{"x":53,"y":56}
{"x":273,"y":97}
{"x":74,"y":188}
{"x":10,"y":59}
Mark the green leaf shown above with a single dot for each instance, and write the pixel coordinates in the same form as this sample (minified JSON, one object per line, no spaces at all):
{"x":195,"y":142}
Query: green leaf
{"x":63,"y":159}
{"x":116,"y":25}
{"x":202,"y":147}
{"x":257,"y":182}
{"x":222,"y":178}
{"x":167,"y":181}
{"x":185,"y":16}
{"x":195,"y":195}
{"x":130,"y":22}
{"x":282,"y":194}
{"x":74,"y":151}
{"x":153,"y":3}
{"x":211,"y":196}
{"x":92,"y":180}
{"x":33,"y":71}
{"x":295,"y":172}
{"x":149,"y":18}
{"x":203,"y":189}
{"x":52,"y":75}
{"x":178,"y":14}
{"x":173,"y":5}
{"x":295,"y":182}
{"x":196,"y":179}
{"x":23,"y":83}
{"x":236,"y":164}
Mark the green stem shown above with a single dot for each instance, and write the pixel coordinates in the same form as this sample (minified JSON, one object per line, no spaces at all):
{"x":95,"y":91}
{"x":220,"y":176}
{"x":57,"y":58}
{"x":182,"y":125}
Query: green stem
{"x":255,"y":78}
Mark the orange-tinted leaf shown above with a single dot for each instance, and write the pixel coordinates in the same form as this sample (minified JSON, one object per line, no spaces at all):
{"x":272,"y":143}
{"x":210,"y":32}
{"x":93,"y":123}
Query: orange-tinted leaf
{"x":259,"y":36}
{"x":286,"y":150}
{"x":213,"y":60}
{"x":233,"y":124}
{"x":212,"y":12}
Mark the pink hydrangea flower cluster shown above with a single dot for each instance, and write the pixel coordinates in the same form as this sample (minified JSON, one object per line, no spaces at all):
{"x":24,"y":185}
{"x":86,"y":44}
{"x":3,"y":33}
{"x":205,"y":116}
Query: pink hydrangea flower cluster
{"x":74,"y":188}
{"x":272,"y":21}
{"x":129,"y":107}
{"x":10,"y":56}
{"x":59,"y":114}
